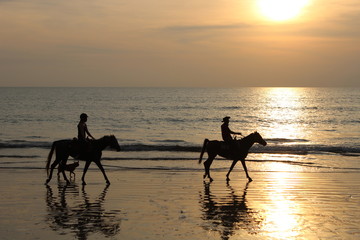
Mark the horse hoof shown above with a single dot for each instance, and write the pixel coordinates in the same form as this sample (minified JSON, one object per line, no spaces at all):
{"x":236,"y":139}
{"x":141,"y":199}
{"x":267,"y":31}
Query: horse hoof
{"x":108,"y":182}
{"x":250,"y":180}
{"x":211,"y":179}
{"x":83,"y":183}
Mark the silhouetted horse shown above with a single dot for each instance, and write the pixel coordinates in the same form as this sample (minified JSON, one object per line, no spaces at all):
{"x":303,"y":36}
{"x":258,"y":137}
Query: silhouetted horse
{"x":66,"y":148}
{"x":223,"y":149}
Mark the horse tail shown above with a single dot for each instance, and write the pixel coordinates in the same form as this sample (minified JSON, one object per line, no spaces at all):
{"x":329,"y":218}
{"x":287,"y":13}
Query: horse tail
{"x":203,"y":149}
{"x":49,"y":157}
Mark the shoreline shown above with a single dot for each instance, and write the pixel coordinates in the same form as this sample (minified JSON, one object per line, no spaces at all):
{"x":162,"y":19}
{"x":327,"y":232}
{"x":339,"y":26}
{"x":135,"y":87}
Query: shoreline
{"x":150,"y":204}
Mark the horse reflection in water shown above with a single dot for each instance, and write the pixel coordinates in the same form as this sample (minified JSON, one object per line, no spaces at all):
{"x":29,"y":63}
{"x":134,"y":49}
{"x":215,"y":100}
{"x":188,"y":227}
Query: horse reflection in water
{"x":228,"y":214}
{"x":84,"y":217}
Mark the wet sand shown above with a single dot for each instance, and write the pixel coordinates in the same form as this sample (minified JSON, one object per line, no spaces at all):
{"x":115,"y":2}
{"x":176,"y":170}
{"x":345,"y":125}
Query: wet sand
{"x":158,"y":204}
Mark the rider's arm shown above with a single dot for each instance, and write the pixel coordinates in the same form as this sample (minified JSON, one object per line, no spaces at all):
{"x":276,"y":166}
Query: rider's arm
{"x":237,"y":133}
{"x":88,"y":133}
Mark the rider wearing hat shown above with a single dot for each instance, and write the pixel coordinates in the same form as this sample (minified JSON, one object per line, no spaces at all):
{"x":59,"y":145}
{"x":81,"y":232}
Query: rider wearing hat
{"x":226,"y":132}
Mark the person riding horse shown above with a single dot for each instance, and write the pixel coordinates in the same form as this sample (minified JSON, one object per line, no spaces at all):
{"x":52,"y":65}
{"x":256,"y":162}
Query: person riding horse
{"x":80,"y":148}
{"x":226,"y":134}
{"x":83,"y":134}
{"x":83,"y":131}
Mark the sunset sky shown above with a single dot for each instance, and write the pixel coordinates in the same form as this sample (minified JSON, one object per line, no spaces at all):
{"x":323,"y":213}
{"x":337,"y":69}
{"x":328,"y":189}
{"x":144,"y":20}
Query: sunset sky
{"x":198,"y":43}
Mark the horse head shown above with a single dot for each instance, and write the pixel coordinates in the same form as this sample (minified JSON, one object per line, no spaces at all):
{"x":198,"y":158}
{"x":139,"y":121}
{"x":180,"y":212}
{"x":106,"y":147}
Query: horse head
{"x":258,"y":138}
{"x":113,"y":143}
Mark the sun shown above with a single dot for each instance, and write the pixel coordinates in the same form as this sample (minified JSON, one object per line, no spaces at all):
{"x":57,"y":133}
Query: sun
{"x":281,"y":10}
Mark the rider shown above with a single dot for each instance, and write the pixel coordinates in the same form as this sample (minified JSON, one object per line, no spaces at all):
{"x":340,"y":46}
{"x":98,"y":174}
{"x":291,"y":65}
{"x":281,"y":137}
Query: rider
{"x":83,"y":133}
{"x":226,"y":132}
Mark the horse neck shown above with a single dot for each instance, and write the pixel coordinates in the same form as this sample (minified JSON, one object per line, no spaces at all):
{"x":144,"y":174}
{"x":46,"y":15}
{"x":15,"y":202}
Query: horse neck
{"x":248,"y":141}
{"x":101,"y":143}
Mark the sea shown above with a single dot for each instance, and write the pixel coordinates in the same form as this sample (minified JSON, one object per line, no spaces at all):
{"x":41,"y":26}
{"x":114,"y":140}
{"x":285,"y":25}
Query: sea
{"x":163,"y":129}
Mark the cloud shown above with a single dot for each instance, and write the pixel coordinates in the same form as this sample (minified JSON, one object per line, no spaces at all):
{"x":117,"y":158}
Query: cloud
{"x":191,"y":28}
{"x":193,"y":33}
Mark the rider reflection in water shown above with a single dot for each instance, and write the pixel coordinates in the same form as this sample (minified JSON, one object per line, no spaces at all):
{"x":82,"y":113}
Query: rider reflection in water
{"x":226,"y":133}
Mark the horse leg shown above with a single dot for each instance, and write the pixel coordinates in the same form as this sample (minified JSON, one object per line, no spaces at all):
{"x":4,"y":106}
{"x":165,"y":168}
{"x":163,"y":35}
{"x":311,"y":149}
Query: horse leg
{"x":231,"y":168}
{"x":245,"y":169}
{"x":98,"y":163}
{"x":53,"y":166}
{"x":62,"y":166}
{"x":87,"y":164}
{"x":207,"y":165}
{"x":64,"y":175}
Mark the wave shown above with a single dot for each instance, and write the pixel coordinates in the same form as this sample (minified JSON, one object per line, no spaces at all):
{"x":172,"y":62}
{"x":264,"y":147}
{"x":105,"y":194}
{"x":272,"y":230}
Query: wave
{"x":25,"y":144}
{"x":19,"y":156}
{"x":286,"y":140}
{"x":275,"y":146}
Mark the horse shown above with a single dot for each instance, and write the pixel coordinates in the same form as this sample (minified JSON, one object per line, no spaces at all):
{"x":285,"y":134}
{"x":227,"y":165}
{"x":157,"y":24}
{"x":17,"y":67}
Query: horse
{"x":66,"y":148}
{"x":239,"y":152}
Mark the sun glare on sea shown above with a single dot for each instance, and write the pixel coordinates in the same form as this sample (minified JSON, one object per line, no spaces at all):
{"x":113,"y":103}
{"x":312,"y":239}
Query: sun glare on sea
{"x":284,"y":110}
{"x":281,"y":10}
{"x":282,"y":221}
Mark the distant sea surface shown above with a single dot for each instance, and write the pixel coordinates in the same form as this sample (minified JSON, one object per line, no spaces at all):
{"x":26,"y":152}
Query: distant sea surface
{"x":307,"y":129}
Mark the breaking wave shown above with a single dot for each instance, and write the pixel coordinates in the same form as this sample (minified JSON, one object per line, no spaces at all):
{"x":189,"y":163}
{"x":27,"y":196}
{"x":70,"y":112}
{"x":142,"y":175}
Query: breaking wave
{"x":275,"y":146}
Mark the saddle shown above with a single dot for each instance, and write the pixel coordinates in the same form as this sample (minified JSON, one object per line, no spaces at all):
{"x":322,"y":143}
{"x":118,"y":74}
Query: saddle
{"x":233,"y":145}
{"x":79,"y":148}
{"x":225,"y":146}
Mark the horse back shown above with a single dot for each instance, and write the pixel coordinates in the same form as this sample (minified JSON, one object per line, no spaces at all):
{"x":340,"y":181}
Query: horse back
{"x":223,"y":149}
{"x":65,"y":147}
{"x":63,"y":143}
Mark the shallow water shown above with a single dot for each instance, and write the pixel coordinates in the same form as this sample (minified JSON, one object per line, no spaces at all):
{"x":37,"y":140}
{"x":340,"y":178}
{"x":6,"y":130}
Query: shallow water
{"x":307,"y":129}
{"x":150,"y":204}
{"x":306,"y":180}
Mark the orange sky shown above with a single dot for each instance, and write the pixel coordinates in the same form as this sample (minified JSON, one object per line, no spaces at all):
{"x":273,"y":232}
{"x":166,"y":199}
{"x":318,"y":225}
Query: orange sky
{"x":177,"y":43}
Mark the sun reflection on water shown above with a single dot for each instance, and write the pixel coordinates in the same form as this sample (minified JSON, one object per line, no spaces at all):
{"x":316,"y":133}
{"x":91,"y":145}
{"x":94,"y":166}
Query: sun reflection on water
{"x":282,"y":216}
{"x":284,"y":105}
{"x":284,"y":112}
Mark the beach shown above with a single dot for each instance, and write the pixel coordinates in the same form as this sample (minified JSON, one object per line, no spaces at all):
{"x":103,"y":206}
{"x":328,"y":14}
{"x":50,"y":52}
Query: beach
{"x":163,"y":204}
{"x":306,"y":179}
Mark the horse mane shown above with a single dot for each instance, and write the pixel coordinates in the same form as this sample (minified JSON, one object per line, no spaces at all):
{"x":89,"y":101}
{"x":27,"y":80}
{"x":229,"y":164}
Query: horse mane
{"x":106,"y":136}
{"x":105,"y":139}
{"x":246,"y":137}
